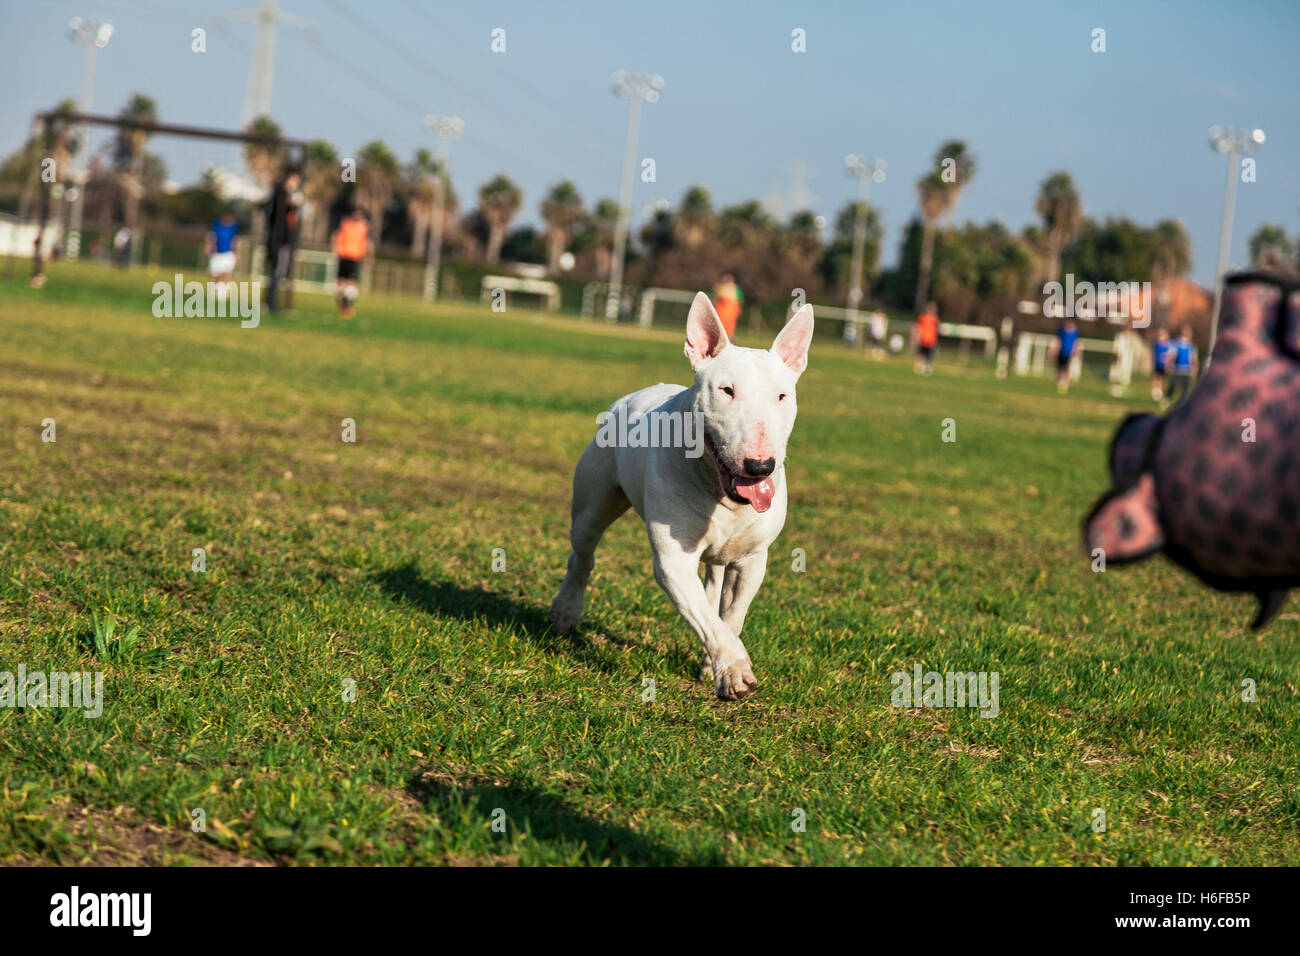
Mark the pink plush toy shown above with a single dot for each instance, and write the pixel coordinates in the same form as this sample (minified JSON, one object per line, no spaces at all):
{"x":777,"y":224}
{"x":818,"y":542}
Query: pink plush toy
{"x":1215,"y":485}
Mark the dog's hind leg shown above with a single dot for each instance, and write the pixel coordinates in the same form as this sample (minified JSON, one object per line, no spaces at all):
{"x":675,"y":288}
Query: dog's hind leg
{"x":598,"y":501}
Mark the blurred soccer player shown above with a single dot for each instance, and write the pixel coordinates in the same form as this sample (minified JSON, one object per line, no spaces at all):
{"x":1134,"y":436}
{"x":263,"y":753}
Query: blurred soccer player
{"x":1064,"y":345}
{"x":727,"y":300}
{"x":1160,"y":351}
{"x":221,"y":246}
{"x":1185,"y":361}
{"x":925,"y":333}
{"x":282,"y":232}
{"x":351,"y":244}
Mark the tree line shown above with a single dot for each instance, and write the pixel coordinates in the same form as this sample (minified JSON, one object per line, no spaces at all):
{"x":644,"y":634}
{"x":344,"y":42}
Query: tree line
{"x":974,"y":272}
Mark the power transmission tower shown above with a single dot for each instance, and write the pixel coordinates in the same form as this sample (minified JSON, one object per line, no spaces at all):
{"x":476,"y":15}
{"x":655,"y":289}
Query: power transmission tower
{"x":266,"y":17}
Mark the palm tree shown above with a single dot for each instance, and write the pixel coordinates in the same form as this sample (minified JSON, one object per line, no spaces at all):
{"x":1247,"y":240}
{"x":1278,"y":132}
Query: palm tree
{"x":562,"y":211}
{"x":752,"y":240}
{"x":66,"y":144}
{"x":800,"y":250}
{"x":450,"y":209}
{"x":604,"y":221}
{"x":1058,"y":203}
{"x":837,"y":265}
{"x":694,"y":216}
{"x":265,"y":157}
{"x":499,"y":200}
{"x":320,"y":185}
{"x":1171,"y":250}
{"x":1171,"y":255}
{"x":378,"y":173}
{"x":421,"y":199}
{"x":1270,"y":248}
{"x":938,"y":192}
{"x":744,"y":223}
{"x":129,"y":152}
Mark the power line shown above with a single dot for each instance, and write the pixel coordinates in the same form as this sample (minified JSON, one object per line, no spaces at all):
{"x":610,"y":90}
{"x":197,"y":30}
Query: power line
{"x":352,"y":108}
{"x":580,"y":124}
{"x":421,"y":63}
{"x":397,"y":98}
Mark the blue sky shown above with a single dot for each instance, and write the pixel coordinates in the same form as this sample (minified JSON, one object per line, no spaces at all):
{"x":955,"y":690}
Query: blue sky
{"x":741,"y":114}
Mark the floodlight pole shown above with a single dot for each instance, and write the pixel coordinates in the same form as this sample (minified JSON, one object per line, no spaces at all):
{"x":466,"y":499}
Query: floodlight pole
{"x":636,"y":87}
{"x":95,"y":36}
{"x":866,"y":170}
{"x":1233,"y":142}
{"x":446,"y":128}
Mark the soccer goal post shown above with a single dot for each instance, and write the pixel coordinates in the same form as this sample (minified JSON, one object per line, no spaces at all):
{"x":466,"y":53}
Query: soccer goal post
{"x":52,"y":121}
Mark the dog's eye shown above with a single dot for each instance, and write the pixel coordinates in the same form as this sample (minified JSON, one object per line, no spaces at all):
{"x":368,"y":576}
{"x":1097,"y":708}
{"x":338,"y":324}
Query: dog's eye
{"x":781,"y":397}
{"x":731,"y":392}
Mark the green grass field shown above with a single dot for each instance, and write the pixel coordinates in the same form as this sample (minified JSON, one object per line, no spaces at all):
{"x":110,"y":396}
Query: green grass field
{"x":330,"y":563}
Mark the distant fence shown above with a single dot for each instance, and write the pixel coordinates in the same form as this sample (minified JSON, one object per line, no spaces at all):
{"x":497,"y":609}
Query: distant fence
{"x":595,"y":295}
{"x":549,"y":291}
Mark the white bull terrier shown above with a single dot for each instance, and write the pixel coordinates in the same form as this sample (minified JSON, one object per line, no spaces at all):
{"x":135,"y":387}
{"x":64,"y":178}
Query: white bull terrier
{"x":724,"y":508}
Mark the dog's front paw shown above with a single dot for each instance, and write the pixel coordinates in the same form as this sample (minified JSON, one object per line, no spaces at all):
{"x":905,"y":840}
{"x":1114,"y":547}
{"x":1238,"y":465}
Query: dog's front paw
{"x":735,"y":680}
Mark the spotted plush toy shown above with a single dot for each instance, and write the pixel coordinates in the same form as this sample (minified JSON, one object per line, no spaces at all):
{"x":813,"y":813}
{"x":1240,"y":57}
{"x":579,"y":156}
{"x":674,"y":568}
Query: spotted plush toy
{"x":1215,"y":485}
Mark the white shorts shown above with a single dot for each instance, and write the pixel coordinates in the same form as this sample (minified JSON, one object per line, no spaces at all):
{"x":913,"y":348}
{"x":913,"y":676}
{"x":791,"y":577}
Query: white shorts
{"x":221,"y":263}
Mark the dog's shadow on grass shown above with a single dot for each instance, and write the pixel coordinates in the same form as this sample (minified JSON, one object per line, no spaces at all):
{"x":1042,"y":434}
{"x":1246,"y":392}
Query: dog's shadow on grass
{"x":448,"y":599}
{"x":547,"y":819}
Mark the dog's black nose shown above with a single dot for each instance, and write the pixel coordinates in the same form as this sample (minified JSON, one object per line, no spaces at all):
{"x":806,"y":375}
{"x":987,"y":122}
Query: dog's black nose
{"x":759,"y":469}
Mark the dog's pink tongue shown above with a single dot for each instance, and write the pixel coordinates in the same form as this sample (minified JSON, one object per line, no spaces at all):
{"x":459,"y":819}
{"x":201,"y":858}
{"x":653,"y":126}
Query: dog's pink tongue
{"x":757,"y":491}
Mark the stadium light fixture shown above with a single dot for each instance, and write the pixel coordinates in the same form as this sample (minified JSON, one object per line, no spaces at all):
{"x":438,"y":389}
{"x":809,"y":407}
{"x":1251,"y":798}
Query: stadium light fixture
{"x":638,"y":88}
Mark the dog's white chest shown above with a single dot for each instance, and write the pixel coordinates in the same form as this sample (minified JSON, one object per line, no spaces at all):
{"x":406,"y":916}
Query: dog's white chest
{"x":733,"y":534}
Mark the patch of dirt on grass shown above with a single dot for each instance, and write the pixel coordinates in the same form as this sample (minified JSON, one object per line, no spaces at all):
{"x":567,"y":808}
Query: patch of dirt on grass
{"x":988,"y":753}
{"x":1094,"y":757}
{"x":119,"y":837}
{"x":91,"y":378}
{"x":423,"y":779}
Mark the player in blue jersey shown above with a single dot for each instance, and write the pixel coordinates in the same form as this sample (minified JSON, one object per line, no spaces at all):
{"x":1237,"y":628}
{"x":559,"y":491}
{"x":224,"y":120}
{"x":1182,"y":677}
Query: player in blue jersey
{"x":1066,"y":344}
{"x":1160,"y":351}
{"x":1184,"y":362}
{"x":221,"y":247}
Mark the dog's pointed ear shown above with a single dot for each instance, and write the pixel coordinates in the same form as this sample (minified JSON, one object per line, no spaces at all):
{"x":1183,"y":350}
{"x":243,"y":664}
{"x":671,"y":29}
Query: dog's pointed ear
{"x":705,"y":336}
{"x":791,"y":345}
